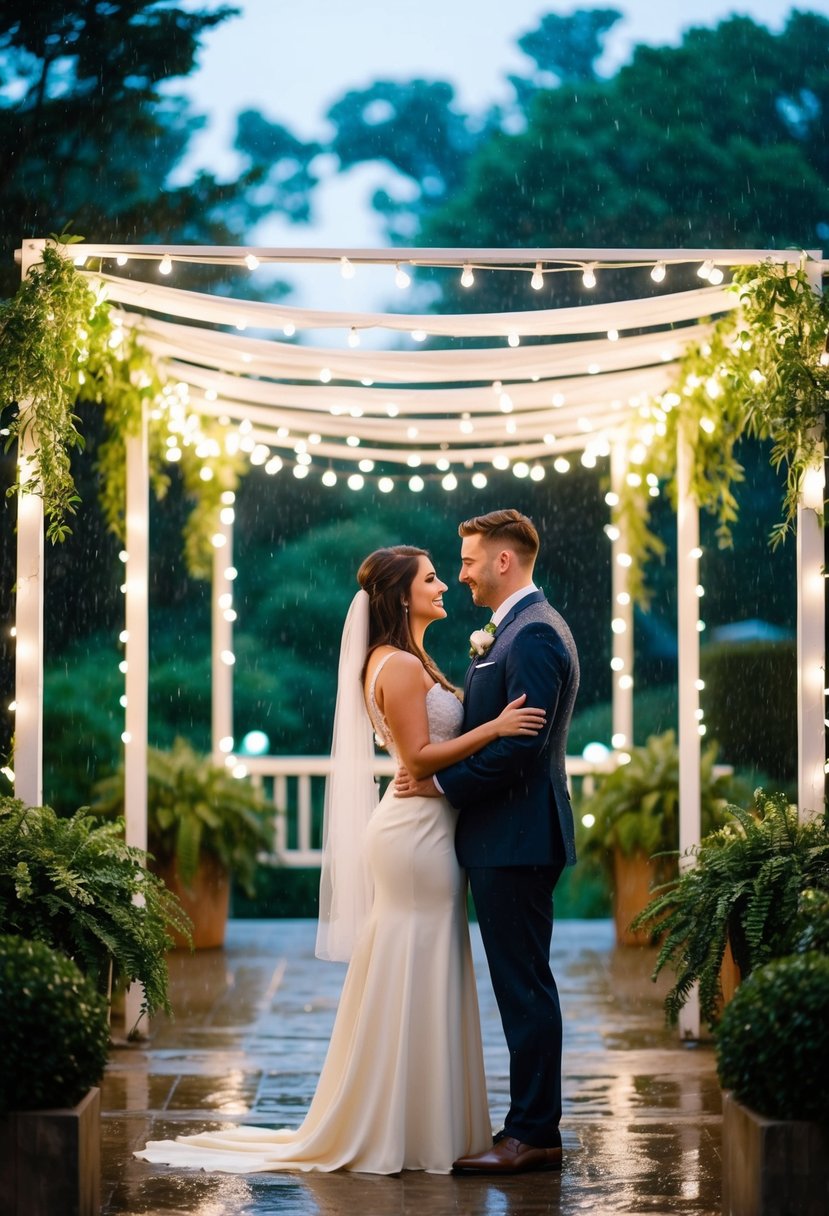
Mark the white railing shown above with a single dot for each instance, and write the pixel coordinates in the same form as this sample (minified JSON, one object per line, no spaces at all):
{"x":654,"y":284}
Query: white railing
{"x":296,"y":787}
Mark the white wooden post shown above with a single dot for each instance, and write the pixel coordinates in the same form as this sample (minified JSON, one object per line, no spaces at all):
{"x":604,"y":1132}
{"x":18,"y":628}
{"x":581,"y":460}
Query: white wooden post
{"x":222,"y":615}
{"x":622,"y":617}
{"x":28,"y":613}
{"x":28,"y":675}
{"x":688,"y":555}
{"x":811,"y":615}
{"x":137,"y":659}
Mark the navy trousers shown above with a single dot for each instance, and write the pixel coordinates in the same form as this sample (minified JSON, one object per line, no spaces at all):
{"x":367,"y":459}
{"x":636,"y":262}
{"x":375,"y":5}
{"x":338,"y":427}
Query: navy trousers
{"x":514,"y":905}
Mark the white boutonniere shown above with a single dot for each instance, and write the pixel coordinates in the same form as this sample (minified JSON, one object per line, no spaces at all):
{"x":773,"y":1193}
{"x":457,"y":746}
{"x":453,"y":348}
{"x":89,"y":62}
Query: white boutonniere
{"x":481,"y":640}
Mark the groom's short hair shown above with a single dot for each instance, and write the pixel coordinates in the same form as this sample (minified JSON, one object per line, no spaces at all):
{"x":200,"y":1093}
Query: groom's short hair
{"x":508,"y":527}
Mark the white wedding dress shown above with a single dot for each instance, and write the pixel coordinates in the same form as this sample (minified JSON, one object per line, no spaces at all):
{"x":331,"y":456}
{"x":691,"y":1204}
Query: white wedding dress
{"x":402,"y":1087}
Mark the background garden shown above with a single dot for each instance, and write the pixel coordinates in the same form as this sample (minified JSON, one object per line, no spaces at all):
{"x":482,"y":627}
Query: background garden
{"x":720,"y":141}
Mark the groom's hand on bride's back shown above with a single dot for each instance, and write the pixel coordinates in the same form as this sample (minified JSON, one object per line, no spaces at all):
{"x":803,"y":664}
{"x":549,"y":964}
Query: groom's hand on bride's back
{"x":405,"y":786}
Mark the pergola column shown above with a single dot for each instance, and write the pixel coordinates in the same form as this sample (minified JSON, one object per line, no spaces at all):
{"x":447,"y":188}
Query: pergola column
{"x":28,"y":671}
{"x":221,"y":617}
{"x":622,"y":619}
{"x":28,"y":612}
{"x":688,"y":555}
{"x":137,"y":659}
{"x":811,"y":639}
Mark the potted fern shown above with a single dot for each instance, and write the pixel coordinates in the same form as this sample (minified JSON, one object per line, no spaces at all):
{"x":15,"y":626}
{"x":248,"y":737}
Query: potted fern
{"x":746,"y":889}
{"x":55,"y":1041}
{"x":74,"y":884}
{"x":636,"y":824}
{"x":204,"y":828}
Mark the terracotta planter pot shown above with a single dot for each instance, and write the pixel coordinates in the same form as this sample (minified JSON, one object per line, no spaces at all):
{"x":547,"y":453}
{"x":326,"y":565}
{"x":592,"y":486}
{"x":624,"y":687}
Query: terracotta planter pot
{"x":772,"y":1167}
{"x":206,"y":901}
{"x":50,"y":1160}
{"x":634,"y":877}
{"x":730,"y":975}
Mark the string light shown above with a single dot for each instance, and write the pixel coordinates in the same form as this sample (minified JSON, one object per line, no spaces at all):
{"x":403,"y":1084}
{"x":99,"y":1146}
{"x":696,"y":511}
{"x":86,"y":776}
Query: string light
{"x":385,"y":485}
{"x":401,"y":278}
{"x":289,"y":329}
{"x":347,"y":269}
{"x":329,"y":478}
{"x":658,"y":273}
{"x":715,"y":277}
{"x":416,"y":484}
{"x":513,"y":340}
{"x":121,"y":260}
{"x":588,"y":277}
{"x":705,"y":269}
{"x":251,"y":261}
{"x":467,"y":277}
{"x":353,"y":337}
{"x":165,"y":266}
{"x":537,"y":280}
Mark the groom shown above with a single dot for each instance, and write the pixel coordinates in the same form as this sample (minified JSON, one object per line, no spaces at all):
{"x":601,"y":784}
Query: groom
{"x":515,"y":827}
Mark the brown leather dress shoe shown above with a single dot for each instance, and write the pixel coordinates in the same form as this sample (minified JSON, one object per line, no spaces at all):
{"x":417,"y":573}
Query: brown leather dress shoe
{"x":509,"y":1156}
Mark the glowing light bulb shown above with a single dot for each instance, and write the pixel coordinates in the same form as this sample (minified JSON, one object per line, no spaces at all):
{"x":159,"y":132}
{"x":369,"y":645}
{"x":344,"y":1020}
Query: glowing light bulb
{"x":658,"y":273}
{"x":121,"y":260}
{"x":416,"y":484}
{"x":385,"y":485}
{"x":588,"y":277}
{"x":467,"y":277}
{"x":419,"y":335}
{"x":513,"y":340}
{"x":705,"y":269}
{"x":251,"y":261}
{"x":353,"y":337}
{"x":289,"y":329}
{"x":347,"y":268}
{"x":356,"y":481}
{"x":715,"y":277}
{"x":329,"y":478}
{"x":613,"y":335}
{"x":401,"y":278}
{"x":165,"y":266}
{"x":561,"y":465}
{"x":537,"y":280}
{"x":450,"y":482}
{"x":325,"y":375}
{"x":479,"y":481}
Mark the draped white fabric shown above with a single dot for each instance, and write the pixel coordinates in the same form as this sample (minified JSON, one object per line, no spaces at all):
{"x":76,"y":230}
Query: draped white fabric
{"x":602,"y":365}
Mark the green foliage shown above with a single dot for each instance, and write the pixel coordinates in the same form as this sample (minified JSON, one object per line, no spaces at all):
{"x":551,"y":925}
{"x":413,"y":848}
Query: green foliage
{"x":744,"y":886}
{"x":44,"y":342}
{"x":636,"y":807}
{"x":773,"y":1040}
{"x":750,"y":703}
{"x":72,"y":883}
{"x":195,"y":805}
{"x":760,"y":374}
{"x":55,"y":1028}
{"x":82,"y":77}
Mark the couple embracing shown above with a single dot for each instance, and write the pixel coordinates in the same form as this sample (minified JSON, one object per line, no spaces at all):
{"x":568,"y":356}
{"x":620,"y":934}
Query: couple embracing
{"x":480,"y":785}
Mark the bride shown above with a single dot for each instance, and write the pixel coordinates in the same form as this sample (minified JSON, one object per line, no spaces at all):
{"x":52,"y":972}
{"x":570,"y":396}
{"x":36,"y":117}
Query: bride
{"x":402,"y":1087}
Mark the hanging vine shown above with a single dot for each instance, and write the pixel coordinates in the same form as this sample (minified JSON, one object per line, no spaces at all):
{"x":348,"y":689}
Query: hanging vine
{"x":63,"y":342}
{"x":763,"y":373}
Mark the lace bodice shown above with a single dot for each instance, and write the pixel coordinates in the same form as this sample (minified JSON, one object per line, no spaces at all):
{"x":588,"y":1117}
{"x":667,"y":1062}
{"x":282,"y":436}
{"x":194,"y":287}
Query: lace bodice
{"x":443,"y":711}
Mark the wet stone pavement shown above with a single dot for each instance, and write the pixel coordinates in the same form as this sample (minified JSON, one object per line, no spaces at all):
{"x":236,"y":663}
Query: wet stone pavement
{"x":641,"y":1127}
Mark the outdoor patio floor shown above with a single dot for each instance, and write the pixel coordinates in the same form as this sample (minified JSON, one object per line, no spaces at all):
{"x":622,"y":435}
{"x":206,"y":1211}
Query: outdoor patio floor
{"x":641,"y":1125}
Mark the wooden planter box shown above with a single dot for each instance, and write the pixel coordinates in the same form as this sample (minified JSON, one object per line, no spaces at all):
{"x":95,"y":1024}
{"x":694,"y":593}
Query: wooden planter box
{"x":771,"y":1167}
{"x":206,"y":901}
{"x":50,"y":1160}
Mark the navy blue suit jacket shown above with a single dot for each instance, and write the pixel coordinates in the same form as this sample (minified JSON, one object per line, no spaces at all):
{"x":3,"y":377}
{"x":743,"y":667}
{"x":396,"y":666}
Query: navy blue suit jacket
{"x":512,"y":794}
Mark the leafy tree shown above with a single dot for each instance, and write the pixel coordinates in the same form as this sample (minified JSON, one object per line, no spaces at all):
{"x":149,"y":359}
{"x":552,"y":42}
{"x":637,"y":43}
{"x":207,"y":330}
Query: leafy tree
{"x":720,"y":141}
{"x":89,"y":133}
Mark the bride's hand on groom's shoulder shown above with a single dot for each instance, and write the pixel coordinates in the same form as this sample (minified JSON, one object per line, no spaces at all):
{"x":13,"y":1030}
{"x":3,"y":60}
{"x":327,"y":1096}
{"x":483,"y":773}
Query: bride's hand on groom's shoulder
{"x":405,"y":786}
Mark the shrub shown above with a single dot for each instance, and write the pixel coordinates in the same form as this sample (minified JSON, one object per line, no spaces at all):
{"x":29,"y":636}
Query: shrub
{"x":754,"y":731}
{"x":55,"y":1028}
{"x":773,"y":1040}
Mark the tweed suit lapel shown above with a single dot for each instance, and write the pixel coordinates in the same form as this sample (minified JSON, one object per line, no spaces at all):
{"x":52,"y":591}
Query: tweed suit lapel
{"x":534,"y":597}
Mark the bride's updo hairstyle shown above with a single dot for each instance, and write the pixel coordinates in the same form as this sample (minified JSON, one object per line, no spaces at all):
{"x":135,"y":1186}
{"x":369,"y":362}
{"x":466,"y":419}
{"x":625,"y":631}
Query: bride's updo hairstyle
{"x":387,"y":575}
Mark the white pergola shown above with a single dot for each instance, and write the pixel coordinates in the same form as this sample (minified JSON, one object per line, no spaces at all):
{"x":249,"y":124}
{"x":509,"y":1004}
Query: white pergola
{"x":401,"y":413}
